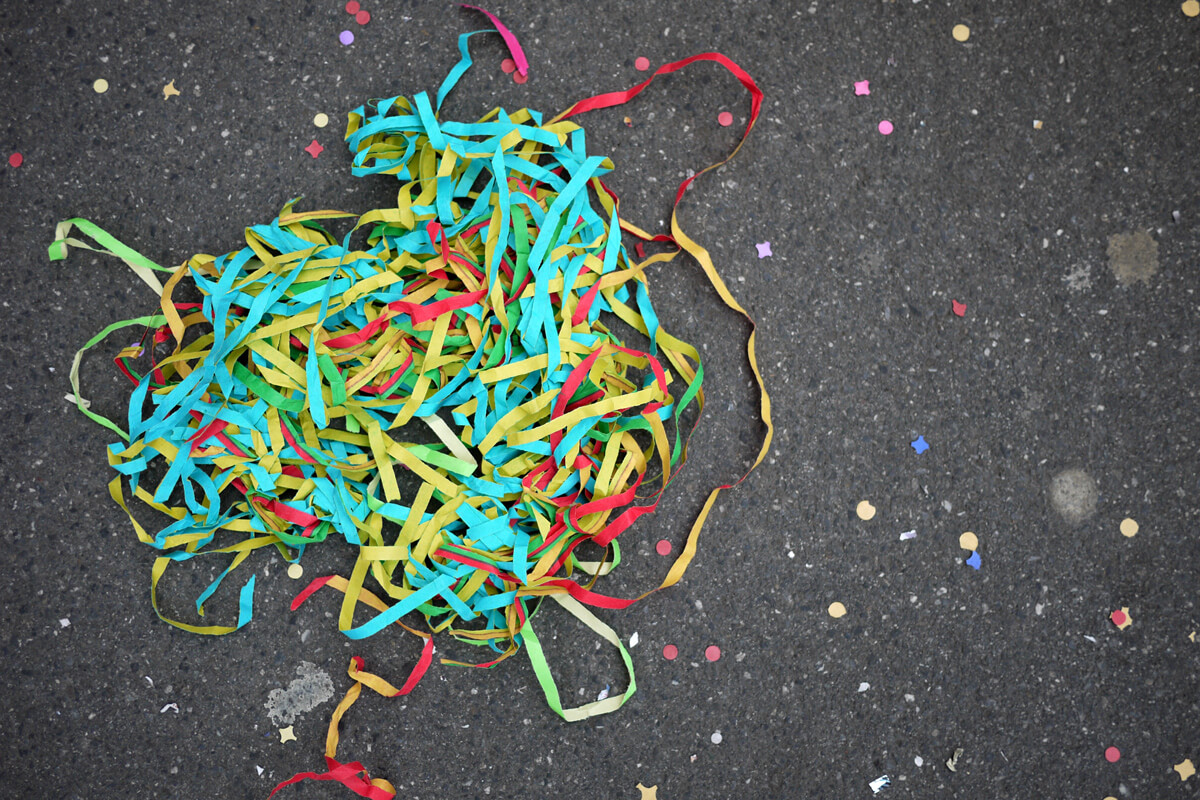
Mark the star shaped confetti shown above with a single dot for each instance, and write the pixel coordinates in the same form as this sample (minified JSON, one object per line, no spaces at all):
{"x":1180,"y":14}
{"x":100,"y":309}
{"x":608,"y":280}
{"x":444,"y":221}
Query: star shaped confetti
{"x":314,"y":149}
{"x":764,"y":249}
{"x":651,"y":792}
{"x":920,"y":445}
{"x":170,"y":91}
{"x":975,"y":562}
{"x":862,"y":87}
{"x":1185,"y":769}
{"x":287,"y":734}
{"x":1121,"y":618}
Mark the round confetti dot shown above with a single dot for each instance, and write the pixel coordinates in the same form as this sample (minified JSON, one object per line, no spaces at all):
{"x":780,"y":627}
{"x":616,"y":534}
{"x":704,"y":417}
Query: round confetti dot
{"x":1112,"y":755}
{"x":321,"y":120}
{"x":508,"y":66}
{"x":885,"y":127}
{"x":717,"y":737}
{"x":712,"y":653}
{"x":362,"y":17}
{"x":16,"y":160}
{"x":346,"y":37}
{"x":641,"y":64}
{"x":519,"y":78}
{"x":725,"y":119}
{"x":295,"y":571}
{"x":663,"y":548}
{"x":968,"y":541}
{"x":670,"y":652}
{"x":1191,"y":8}
{"x":961,"y":33}
{"x":1118,"y":617}
{"x":1129,"y":527}
{"x":865,"y":510}
{"x":352,"y":7}
{"x":837,"y":610}
{"x":100,"y":86}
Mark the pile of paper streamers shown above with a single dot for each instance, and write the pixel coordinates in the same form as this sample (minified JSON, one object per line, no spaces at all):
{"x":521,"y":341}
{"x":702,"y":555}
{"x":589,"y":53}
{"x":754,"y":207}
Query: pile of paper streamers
{"x":453,"y":345}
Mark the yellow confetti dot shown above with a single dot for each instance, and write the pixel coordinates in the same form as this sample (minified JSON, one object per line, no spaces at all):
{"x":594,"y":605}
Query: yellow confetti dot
{"x":321,"y":120}
{"x":968,"y":541}
{"x":865,"y":510}
{"x":1191,"y":8}
{"x":1185,"y":768}
{"x":961,"y":33}
{"x":101,"y":86}
{"x":295,"y":571}
{"x":837,"y":610}
{"x":1129,"y":527}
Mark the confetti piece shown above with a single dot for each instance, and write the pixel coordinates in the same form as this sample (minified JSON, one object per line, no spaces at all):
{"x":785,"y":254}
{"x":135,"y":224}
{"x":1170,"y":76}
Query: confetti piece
{"x":885,"y":127}
{"x":716,"y":737}
{"x":725,"y":119}
{"x":712,"y":653}
{"x":321,"y":120}
{"x":920,"y":445}
{"x":952,"y":762}
{"x":1192,"y":636}
{"x":603,"y":693}
{"x":362,"y":17}
{"x":1191,"y":8}
{"x":961,"y":33}
{"x":520,"y":78}
{"x":100,"y":86}
{"x":287,"y":734}
{"x":16,"y":160}
{"x":670,"y":652}
{"x":633,"y":640}
{"x":865,"y":510}
{"x":64,"y":622}
{"x":508,"y":66}
{"x":1185,"y":768}
{"x":648,"y":792}
{"x":260,"y":770}
{"x":1121,"y":618}
{"x":862,"y":87}
{"x":628,"y":122}
{"x":510,"y":40}
{"x":663,"y":548}
{"x":968,"y":541}
{"x":1037,"y":124}
{"x":641,"y":64}
{"x":169,"y":707}
{"x":975,"y":562}
{"x":959,"y":309}
{"x":864,"y":686}
{"x":1112,"y":755}
{"x":879,"y":784}
{"x":352,"y":7}
{"x":314,"y":149}
{"x":906,"y":535}
{"x":764,"y":249}
{"x":170,"y":91}
{"x":346,"y":37}
{"x":837,"y":610}
{"x":295,"y":572}
{"x":918,"y":761}
{"x":1129,"y":528}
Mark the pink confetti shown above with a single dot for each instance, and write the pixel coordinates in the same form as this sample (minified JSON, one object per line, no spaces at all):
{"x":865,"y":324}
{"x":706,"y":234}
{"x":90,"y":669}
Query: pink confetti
{"x":1118,"y":617}
{"x":314,"y":149}
{"x":362,"y":17}
{"x":725,"y":119}
{"x":16,"y":160}
{"x":959,"y":309}
{"x":352,"y":7}
{"x":514,"y":46}
{"x":663,"y":547}
{"x":862,"y":87}
{"x":1112,"y":755}
{"x":520,"y":77}
{"x":508,"y":66}
{"x":886,"y":128}
{"x":346,"y":37}
{"x":764,"y":249}
{"x":670,"y":652}
{"x":641,"y":64}
{"x":712,"y":653}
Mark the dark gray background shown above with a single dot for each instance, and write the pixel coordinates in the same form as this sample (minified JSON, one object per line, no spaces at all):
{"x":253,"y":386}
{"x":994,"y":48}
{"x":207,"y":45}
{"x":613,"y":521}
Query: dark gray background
{"x":872,"y":237}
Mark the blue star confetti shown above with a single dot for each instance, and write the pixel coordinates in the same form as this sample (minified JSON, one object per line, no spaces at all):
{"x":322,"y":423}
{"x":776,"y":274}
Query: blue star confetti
{"x":920,"y":445}
{"x":974,"y":562}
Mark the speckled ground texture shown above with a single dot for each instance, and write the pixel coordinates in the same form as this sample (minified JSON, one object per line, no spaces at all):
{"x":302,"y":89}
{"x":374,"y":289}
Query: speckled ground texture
{"x":1077,"y":351}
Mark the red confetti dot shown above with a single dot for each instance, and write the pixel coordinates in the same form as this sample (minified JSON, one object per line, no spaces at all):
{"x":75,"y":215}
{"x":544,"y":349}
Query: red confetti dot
{"x":352,"y":7}
{"x":958,"y":308}
{"x":519,"y":78}
{"x":16,"y":160}
{"x":663,"y":547}
{"x":670,"y":652}
{"x":641,"y":64}
{"x":725,"y":118}
{"x":1118,"y":617}
{"x":1112,"y":755}
{"x":712,"y":652}
{"x":508,"y":66}
{"x":362,"y":17}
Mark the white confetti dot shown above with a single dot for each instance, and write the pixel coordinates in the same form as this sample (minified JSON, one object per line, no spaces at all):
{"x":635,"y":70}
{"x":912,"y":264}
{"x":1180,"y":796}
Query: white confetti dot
{"x":918,"y":761}
{"x":716,"y":737}
{"x":862,"y":687}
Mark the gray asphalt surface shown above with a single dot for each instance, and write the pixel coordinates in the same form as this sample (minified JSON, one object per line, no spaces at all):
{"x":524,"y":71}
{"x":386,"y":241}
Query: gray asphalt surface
{"x":1073,"y":245}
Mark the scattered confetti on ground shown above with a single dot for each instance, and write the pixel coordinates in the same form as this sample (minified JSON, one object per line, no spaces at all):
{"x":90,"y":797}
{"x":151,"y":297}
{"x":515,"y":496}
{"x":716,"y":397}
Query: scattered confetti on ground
{"x":1185,"y":768}
{"x":16,"y":160}
{"x":64,"y":622}
{"x":1037,"y":124}
{"x":716,"y":737}
{"x":670,"y":652}
{"x":906,"y":535}
{"x":170,"y":91}
{"x":1191,"y":8}
{"x":961,"y":33}
{"x":287,"y":734}
{"x":864,"y":686}
{"x":968,"y":541}
{"x":648,"y":792}
{"x":837,"y":610}
{"x":862,"y":87}
{"x":865,"y":510}
{"x":959,"y":309}
{"x":918,"y":761}
{"x":346,"y":37}
{"x":1129,"y":528}
{"x":663,"y":548}
{"x":975,"y":562}
{"x":100,"y":86}
{"x":952,"y":762}
{"x":1112,"y":755}
{"x":725,"y":119}
{"x":712,"y":653}
{"x":352,"y":7}
{"x":879,"y":784}
{"x":295,"y":572}
{"x":520,"y":77}
{"x":314,"y":149}
{"x":169,"y":707}
{"x":920,"y":445}
{"x":362,"y":17}
{"x":628,"y":122}
{"x":1121,"y":618}
{"x":764,"y":249}
{"x":508,"y":66}
{"x":633,"y":640}
{"x":321,"y":120}
{"x":641,"y":64}
{"x":885,"y":127}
